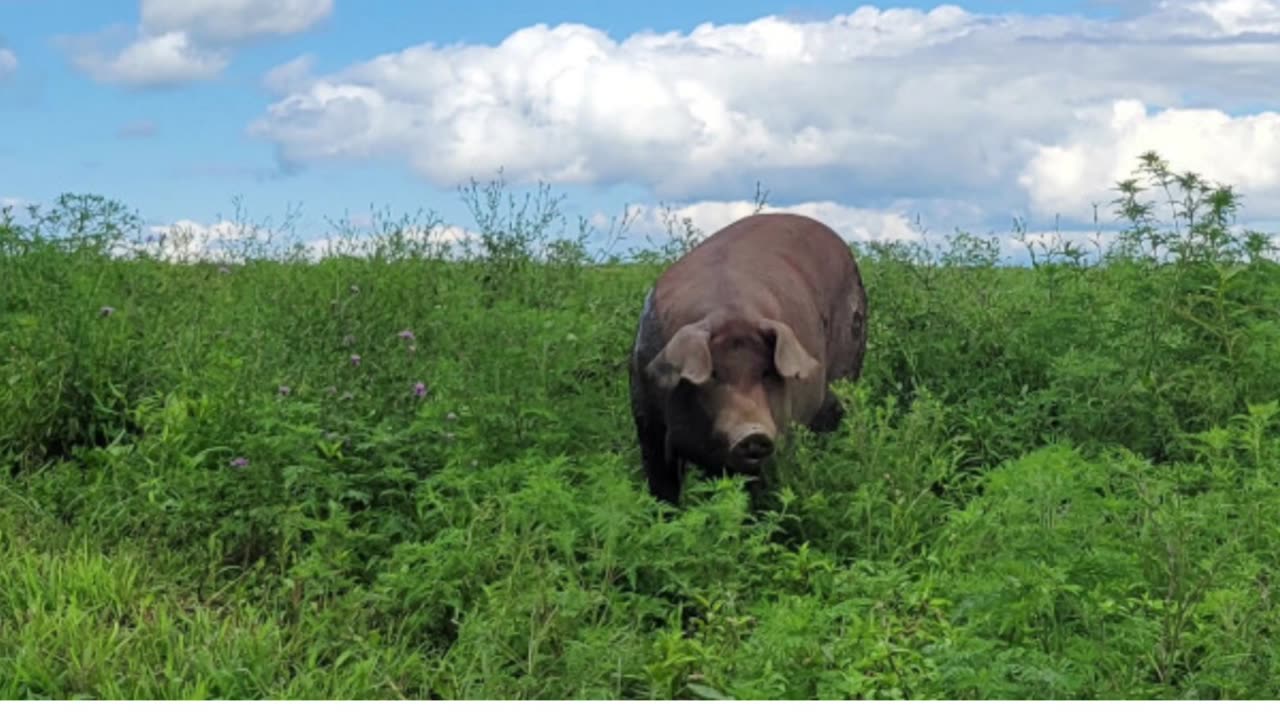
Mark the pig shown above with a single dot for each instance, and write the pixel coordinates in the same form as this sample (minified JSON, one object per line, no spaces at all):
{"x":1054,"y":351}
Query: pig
{"x":738,"y":339}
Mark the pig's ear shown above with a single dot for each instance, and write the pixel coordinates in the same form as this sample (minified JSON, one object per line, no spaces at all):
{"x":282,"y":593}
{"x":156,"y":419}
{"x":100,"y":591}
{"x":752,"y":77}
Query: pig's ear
{"x":789,"y":356}
{"x":687,"y":356}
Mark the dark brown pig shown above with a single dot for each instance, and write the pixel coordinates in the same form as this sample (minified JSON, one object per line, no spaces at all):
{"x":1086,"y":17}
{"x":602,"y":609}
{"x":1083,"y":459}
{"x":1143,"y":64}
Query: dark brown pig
{"x":738,"y":339}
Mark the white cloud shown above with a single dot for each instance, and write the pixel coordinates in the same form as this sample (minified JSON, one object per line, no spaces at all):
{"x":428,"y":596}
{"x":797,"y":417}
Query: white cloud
{"x":432,"y":240}
{"x":154,"y":61}
{"x":183,"y":41}
{"x":8,"y":62}
{"x":1103,"y":148}
{"x":290,"y":76}
{"x":859,"y":225}
{"x":227,"y":241}
{"x":944,"y":106}
{"x":190,"y":241}
{"x":233,"y":20}
{"x":853,"y":224}
{"x":1241,"y":16}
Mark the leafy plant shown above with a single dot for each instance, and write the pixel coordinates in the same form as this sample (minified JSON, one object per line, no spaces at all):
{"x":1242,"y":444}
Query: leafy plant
{"x":404,"y":467}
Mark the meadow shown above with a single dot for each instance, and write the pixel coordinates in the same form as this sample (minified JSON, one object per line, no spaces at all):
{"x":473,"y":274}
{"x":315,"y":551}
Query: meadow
{"x":404,"y":475}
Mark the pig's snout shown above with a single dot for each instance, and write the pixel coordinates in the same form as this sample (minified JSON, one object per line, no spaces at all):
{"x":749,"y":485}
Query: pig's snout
{"x":752,"y":446}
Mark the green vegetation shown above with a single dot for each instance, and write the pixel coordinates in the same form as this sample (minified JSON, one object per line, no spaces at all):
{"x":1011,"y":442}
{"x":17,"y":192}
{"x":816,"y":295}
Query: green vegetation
{"x":1056,"y":481}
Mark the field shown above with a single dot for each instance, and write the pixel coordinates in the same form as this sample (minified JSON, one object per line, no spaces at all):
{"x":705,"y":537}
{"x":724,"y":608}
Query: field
{"x":399,"y":475}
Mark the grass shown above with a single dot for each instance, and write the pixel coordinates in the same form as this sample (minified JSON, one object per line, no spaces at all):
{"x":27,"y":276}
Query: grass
{"x":1056,"y":481}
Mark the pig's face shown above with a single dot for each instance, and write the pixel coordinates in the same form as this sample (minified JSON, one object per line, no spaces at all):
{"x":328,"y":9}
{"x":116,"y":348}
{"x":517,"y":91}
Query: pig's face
{"x":729,"y":387}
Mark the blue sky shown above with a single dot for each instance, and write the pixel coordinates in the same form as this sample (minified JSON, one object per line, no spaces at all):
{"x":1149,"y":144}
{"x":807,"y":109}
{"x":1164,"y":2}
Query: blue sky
{"x":182,"y":149}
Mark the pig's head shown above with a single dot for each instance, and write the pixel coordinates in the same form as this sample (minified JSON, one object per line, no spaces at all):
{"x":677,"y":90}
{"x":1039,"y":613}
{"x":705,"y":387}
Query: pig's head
{"x":729,"y":386}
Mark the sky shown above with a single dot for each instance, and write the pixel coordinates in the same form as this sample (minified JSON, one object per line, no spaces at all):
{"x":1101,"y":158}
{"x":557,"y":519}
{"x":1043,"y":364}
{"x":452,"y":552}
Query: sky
{"x":882,"y":120}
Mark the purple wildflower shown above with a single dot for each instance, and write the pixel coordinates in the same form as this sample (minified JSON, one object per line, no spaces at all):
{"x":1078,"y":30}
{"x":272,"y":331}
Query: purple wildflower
{"x":406,"y":334}
{"x":106,"y":311}
{"x":355,"y":360}
{"x":240,"y":462}
{"x":420,"y":389}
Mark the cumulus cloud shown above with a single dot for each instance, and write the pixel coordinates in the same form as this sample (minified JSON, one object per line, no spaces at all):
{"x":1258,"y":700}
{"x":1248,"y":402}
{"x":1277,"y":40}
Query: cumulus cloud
{"x":290,"y":76}
{"x":1103,"y":148}
{"x":229,"y":242}
{"x":187,"y":241}
{"x":1240,"y":16}
{"x":183,"y":41}
{"x":853,"y":224}
{"x":434,"y":240}
{"x":154,"y":61}
{"x":230,"y":21}
{"x":661,"y":224}
{"x":943,"y":106}
{"x":8,"y":62}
